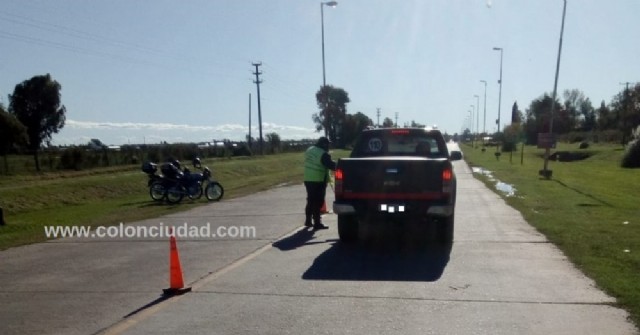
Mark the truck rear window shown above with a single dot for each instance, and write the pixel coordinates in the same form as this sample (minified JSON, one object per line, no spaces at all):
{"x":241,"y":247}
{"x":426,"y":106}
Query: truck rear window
{"x":398,"y":143}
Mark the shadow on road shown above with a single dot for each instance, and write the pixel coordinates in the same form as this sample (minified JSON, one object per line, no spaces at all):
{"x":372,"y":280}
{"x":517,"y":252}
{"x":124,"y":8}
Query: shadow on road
{"x":386,"y":262}
{"x":300,"y":238}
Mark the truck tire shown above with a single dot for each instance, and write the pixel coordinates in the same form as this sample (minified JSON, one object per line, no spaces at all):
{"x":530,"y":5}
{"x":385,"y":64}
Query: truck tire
{"x":445,"y":230}
{"x":348,"y":228}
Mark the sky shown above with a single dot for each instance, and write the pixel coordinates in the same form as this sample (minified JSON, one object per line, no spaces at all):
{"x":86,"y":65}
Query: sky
{"x":146,"y":71}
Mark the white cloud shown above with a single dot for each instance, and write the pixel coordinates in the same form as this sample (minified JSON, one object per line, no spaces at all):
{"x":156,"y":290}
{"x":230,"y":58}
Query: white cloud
{"x":79,"y":132}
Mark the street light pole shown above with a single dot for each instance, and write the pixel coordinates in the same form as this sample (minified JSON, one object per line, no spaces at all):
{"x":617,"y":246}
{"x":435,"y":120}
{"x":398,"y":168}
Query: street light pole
{"x":322,"y":4}
{"x":484,"y":125}
{"x":500,"y":82}
{"x":473,"y":117}
{"x":477,"y":116}
{"x":324,"y":76}
{"x":469,"y":124}
{"x":546,"y":172}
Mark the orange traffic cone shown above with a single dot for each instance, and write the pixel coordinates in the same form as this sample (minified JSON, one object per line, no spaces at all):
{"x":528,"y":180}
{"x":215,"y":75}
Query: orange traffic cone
{"x":175,"y":270}
{"x":323,"y":209}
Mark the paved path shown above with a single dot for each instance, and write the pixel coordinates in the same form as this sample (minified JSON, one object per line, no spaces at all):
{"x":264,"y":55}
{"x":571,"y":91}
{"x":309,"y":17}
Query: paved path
{"x":499,"y":277}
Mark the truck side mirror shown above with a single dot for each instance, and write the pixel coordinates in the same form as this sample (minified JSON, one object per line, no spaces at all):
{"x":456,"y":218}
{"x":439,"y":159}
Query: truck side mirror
{"x":455,"y":155}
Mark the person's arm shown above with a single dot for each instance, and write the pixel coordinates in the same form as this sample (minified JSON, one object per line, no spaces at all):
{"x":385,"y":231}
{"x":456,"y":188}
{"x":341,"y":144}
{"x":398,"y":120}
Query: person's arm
{"x":328,"y":162}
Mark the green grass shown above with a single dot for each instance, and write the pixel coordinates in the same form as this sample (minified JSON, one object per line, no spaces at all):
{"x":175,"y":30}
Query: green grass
{"x":582,"y":210}
{"x":109,"y":196}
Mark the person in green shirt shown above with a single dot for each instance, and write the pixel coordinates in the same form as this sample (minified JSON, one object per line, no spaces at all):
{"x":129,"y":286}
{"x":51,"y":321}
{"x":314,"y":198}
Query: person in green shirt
{"x":317,"y":163}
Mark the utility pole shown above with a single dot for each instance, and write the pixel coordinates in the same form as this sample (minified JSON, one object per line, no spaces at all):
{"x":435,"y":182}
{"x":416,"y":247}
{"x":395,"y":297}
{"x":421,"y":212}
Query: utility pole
{"x":396,"y":119}
{"x":258,"y":82}
{"x":499,"y":82}
{"x":249,"y":139}
{"x":378,"y":114}
{"x":545,"y":172}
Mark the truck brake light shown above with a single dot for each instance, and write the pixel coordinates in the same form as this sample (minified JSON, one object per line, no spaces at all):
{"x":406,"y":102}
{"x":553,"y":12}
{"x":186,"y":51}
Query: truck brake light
{"x":447,"y":178}
{"x":447,"y":174}
{"x":339,"y":177}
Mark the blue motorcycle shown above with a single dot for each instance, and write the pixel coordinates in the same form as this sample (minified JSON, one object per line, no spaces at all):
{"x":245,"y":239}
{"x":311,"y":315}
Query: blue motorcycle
{"x":174,"y":184}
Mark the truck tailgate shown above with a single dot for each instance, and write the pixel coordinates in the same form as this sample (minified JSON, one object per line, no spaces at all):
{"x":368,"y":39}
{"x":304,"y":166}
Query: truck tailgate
{"x":392,"y":177}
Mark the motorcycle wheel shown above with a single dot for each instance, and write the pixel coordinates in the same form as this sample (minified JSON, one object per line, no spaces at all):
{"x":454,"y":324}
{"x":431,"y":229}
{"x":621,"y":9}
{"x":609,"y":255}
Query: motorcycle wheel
{"x":157,"y":191}
{"x":214,"y":191}
{"x":194,"y":191}
{"x":175,"y":193}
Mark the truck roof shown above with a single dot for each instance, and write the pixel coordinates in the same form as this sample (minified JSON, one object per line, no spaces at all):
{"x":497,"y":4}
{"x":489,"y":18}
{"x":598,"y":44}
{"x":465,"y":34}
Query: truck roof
{"x":411,"y":129}
{"x":400,"y":142}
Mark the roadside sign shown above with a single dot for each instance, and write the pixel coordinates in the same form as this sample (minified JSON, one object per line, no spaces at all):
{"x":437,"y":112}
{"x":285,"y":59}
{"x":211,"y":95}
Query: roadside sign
{"x":546,"y":141}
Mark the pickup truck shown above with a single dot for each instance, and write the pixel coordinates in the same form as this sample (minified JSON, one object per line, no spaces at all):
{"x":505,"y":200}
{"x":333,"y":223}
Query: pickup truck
{"x":401,"y":175}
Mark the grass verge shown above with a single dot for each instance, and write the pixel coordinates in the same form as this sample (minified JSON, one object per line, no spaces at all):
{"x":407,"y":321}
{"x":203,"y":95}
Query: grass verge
{"x":589,"y":209}
{"x":109,"y":196}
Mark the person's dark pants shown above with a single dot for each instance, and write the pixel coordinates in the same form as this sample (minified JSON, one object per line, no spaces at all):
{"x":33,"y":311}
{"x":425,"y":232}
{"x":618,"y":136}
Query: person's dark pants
{"x":315,"y":198}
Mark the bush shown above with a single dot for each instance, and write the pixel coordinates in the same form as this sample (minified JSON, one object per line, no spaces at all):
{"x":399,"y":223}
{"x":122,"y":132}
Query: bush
{"x":631,"y":158}
{"x":584,"y":145}
{"x":509,"y":146}
{"x":575,"y":137}
{"x":72,"y":158}
{"x":242,"y":150}
{"x":608,"y":136}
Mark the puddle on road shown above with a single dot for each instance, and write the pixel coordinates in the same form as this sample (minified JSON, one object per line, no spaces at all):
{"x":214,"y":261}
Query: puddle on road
{"x":505,"y":188}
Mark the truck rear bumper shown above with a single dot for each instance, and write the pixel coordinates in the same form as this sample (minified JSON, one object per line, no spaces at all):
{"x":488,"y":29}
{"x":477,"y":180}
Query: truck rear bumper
{"x":440,"y":210}
{"x":341,"y":209}
{"x":446,"y":210}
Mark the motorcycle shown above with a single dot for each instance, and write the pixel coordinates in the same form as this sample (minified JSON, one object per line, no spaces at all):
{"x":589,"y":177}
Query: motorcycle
{"x":156,"y":183}
{"x":196,"y":184}
{"x":174,"y":184}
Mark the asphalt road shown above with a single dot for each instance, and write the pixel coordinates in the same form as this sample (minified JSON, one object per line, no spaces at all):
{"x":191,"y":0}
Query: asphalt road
{"x":499,"y":277}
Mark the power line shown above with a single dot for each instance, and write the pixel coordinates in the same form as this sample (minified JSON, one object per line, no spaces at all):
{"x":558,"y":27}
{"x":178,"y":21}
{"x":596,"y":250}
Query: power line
{"x":79,"y":35}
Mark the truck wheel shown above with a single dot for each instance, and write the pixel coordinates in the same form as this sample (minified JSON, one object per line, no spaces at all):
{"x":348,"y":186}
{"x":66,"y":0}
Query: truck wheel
{"x":348,"y":228}
{"x":445,"y":230}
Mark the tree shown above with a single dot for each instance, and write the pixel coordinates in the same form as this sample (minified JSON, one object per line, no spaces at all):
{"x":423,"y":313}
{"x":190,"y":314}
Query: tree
{"x":274,"y":141}
{"x":12,"y":133}
{"x":589,"y":120}
{"x":605,"y":117}
{"x":416,"y":125}
{"x":36,"y":104}
{"x":332,"y":102}
{"x":573,"y":99}
{"x":538,"y":116}
{"x":626,"y":108}
{"x":516,"y":114}
{"x":353,"y":126}
{"x":466,"y":135}
{"x":512,"y":135}
{"x":387,"y":123}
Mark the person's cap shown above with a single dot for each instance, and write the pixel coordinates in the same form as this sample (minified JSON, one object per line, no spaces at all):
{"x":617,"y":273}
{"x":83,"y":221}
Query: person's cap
{"x":323,"y":141}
